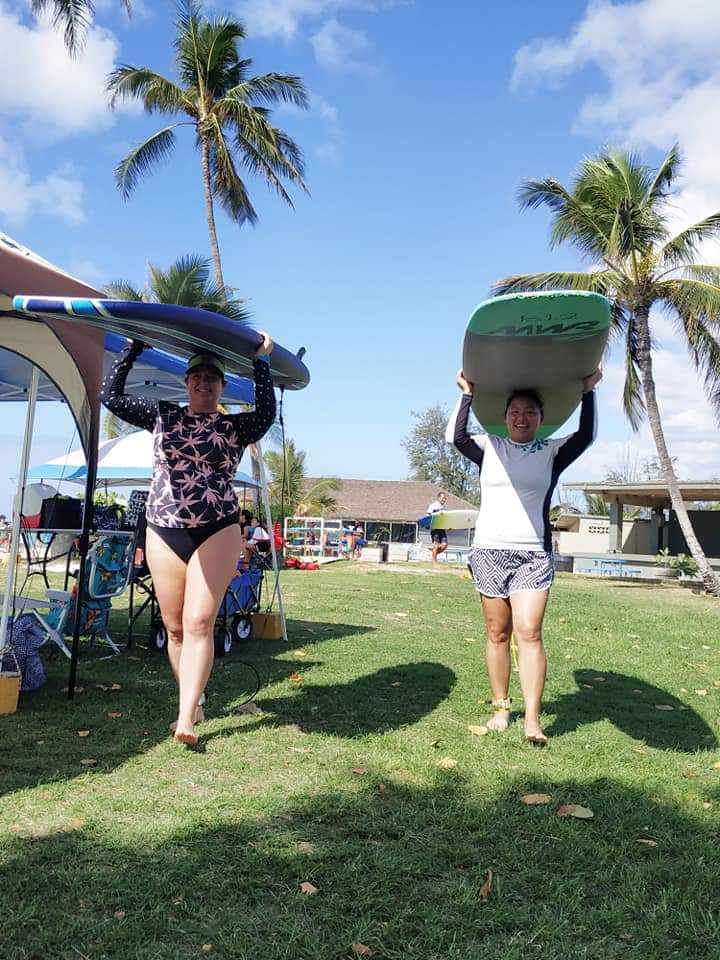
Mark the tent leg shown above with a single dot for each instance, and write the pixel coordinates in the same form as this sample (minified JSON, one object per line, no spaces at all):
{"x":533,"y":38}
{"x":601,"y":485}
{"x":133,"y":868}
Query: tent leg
{"x":83,"y":548}
{"x":260,"y":475}
{"x":17,"y":508}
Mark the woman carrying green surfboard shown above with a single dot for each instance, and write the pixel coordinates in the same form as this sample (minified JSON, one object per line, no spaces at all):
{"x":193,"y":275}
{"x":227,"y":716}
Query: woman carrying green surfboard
{"x":511,"y":560}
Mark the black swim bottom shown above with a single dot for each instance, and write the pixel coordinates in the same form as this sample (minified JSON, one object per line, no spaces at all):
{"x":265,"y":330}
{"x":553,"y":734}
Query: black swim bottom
{"x":184,"y":541}
{"x":438,"y":536}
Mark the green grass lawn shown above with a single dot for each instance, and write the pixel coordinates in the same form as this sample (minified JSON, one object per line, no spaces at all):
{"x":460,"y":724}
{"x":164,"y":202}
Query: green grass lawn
{"x":161,"y":852}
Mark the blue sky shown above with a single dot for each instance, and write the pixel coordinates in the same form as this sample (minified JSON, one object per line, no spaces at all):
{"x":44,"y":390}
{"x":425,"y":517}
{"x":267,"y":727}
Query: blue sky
{"x":425,"y":117}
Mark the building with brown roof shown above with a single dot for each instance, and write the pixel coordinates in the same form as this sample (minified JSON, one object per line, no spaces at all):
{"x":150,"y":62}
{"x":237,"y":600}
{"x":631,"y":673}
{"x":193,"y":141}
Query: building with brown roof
{"x":389,"y":509}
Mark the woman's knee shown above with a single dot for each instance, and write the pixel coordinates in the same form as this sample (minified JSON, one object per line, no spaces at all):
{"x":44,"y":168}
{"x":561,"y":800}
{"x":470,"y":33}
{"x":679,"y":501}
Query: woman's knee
{"x":174,"y":630}
{"x":531,"y":634}
{"x":498,"y":636}
{"x":198,"y":625}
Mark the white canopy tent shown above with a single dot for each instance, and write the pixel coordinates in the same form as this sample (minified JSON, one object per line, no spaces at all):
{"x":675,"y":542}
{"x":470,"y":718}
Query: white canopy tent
{"x":123,"y":461}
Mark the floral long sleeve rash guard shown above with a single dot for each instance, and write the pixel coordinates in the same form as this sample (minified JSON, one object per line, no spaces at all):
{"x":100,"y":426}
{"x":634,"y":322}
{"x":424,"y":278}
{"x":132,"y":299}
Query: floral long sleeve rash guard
{"x":195,"y":455}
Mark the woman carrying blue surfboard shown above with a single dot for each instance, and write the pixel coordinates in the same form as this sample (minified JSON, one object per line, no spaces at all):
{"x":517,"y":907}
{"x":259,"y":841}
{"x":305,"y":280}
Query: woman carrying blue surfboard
{"x":511,"y":559}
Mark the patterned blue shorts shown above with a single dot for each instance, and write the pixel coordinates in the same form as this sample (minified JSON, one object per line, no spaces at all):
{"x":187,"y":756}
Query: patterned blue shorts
{"x":500,"y":573}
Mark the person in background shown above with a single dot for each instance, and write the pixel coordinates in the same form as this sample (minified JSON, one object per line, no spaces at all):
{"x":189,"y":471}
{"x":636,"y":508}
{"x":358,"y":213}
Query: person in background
{"x":358,"y":540}
{"x":438,"y":538}
{"x":258,"y":542}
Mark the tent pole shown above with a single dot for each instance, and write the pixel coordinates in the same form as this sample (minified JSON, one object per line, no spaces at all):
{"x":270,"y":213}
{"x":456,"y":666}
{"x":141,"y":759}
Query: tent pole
{"x":17,"y":506}
{"x":259,"y":470}
{"x":92,"y":461}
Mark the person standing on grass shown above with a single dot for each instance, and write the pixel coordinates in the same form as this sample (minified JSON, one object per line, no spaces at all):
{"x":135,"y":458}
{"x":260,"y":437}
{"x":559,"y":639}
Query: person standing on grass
{"x":511,"y":559}
{"x":438,"y":538}
{"x":194,"y":537}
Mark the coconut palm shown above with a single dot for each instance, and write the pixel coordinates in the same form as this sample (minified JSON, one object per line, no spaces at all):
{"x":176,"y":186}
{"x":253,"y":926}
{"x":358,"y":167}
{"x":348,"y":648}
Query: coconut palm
{"x":73,"y":17}
{"x":228,"y":111}
{"x":295,"y":495}
{"x":616,"y":214}
{"x":186,"y":282}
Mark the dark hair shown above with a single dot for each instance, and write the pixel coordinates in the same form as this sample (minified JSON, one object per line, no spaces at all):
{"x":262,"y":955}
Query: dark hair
{"x":528,"y":395}
{"x":246,"y":514}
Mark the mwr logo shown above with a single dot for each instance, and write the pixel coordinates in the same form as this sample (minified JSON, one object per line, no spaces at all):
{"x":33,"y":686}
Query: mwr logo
{"x":558,"y":328}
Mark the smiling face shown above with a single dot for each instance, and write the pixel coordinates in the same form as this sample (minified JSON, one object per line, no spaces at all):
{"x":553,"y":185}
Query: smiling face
{"x":204,"y":387}
{"x":523,"y":418}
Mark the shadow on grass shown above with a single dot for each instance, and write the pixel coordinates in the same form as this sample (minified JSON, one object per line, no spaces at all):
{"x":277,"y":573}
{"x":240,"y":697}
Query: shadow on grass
{"x":389,"y":698}
{"x":632,"y":705}
{"x":398,"y":870}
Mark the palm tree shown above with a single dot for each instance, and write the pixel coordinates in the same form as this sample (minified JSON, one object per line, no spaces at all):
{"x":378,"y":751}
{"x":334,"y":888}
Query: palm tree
{"x":228,"y":110}
{"x":186,"y":282}
{"x":295,"y":497}
{"x":616,"y":214}
{"x":73,"y":17}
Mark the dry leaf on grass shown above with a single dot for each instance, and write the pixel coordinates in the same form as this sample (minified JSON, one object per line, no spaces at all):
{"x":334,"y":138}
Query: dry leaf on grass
{"x":299,"y":653}
{"x":535,"y":799}
{"x":716,"y":766}
{"x":306,"y":847}
{"x":102,"y":686}
{"x":484,"y":891}
{"x":296,"y":678}
{"x":249,"y":708}
{"x":359,"y":771}
{"x":588,"y":686}
{"x":300,"y":749}
{"x":119,"y":914}
{"x":646,"y":842}
{"x":478,"y":731}
{"x":362,"y":950}
{"x":396,"y":684}
{"x":701,"y":693}
{"x":690,"y":775}
{"x":77,"y":690}
{"x":88,"y":762}
{"x":400,"y":614}
{"x":663,"y":706}
{"x":83,"y":733}
{"x":446,"y":763}
{"x":308,"y":888}
{"x":706,"y":804}
{"x":381,"y":789}
{"x":575,"y":810}
{"x":114,"y":715}
{"x":435,"y":743}
{"x":116,"y":686}
{"x":206,"y":948}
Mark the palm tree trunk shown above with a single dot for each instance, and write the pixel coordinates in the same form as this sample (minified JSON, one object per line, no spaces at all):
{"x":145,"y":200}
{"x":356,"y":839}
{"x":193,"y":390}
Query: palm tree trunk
{"x":712,"y":585}
{"x":214,"y":246}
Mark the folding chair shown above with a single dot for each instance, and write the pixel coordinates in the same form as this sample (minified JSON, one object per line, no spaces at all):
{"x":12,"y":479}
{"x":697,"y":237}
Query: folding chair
{"x":107,"y":575}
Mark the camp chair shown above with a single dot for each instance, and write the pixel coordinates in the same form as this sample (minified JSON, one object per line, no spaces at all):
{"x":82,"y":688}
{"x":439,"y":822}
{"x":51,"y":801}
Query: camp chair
{"x":107,"y":575}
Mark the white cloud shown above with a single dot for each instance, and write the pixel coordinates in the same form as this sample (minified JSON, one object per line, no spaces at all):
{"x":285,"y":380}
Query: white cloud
{"x":661,"y":83}
{"x":58,"y":194}
{"x":47,"y":92}
{"x":338,"y":47}
{"x":282,"y":18}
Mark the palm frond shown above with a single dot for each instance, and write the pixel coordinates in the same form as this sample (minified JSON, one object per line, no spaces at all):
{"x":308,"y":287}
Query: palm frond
{"x":158,"y":94}
{"x":693,"y":300}
{"x":272,"y":88}
{"x":665,"y":174}
{"x":141,"y":160}
{"x":684,"y":248}
{"x":633,"y":397}
{"x":122,"y":290}
{"x":73,"y":17}
{"x":704,"y":350}
{"x":227,"y":183}
{"x":606,"y":282}
{"x":187,"y":282}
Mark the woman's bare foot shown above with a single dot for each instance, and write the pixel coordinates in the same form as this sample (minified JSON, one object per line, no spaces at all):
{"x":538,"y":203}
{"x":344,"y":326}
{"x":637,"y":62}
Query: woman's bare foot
{"x":534,"y":733}
{"x":187,"y":737}
{"x":499,"y":721}
{"x":199,"y":718}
